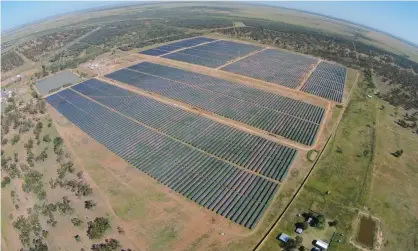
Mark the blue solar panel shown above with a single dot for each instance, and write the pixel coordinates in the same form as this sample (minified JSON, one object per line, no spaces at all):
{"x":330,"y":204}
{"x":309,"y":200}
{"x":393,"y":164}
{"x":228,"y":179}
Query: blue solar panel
{"x":232,"y":192}
{"x":154,"y":52}
{"x":283,"y":116}
{"x":213,"y":54}
{"x":176,"y":46}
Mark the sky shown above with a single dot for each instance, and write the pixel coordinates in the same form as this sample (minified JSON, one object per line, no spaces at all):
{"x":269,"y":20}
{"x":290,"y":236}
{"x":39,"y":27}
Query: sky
{"x":397,"y":18}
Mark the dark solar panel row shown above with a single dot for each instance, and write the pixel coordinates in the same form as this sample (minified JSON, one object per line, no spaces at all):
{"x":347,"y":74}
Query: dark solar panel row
{"x":246,"y":150}
{"x":327,"y":81}
{"x":274,"y":66}
{"x":289,"y":118}
{"x":216,"y":185}
{"x":176,"y":46}
{"x":213,"y":54}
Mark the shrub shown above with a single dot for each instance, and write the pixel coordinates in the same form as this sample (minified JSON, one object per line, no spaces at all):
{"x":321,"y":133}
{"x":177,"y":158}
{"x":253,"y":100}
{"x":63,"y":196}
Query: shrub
{"x":15,"y":139}
{"x":4,"y":141}
{"x":76,"y":222}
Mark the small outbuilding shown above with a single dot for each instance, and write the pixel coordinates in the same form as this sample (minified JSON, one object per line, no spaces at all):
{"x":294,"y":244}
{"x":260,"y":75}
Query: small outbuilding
{"x":299,"y":230}
{"x":321,"y":244}
{"x":284,"y":237}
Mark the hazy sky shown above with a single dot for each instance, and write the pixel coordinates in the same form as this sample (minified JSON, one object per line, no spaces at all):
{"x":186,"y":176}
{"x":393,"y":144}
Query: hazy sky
{"x":397,"y":18}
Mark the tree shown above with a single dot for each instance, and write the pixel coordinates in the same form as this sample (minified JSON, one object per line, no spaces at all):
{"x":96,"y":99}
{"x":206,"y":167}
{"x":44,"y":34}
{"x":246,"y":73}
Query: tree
{"x":109,"y":245}
{"x":89,"y":204}
{"x":76,"y":222}
{"x":320,"y":222}
{"x":290,"y":245}
{"x":46,"y":138}
{"x":333,"y":223}
{"x":97,"y":228}
{"x":6,"y":180}
{"x":398,"y":153}
{"x":298,"y":240}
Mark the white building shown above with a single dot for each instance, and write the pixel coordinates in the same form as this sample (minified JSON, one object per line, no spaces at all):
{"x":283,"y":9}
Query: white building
{"x":321,"y":244}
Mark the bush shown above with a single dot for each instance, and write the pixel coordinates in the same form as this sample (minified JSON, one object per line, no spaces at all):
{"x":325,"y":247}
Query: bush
{"x":97,"y":228}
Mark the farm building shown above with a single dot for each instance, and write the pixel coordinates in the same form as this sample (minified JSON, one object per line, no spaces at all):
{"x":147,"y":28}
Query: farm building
{"x":284,"y":237}
{"x":321,"y":244}
{"x":57,"y":81}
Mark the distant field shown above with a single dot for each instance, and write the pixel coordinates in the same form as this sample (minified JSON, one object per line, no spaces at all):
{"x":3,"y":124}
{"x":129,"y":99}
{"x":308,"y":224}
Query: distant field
{"x":226,"y":10}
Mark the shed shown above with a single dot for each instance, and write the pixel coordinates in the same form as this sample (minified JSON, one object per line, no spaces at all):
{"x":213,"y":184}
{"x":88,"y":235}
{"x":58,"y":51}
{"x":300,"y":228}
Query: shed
{"x":284,"y":237}
{"x":321,"y":244}
{"x":299,"y":230}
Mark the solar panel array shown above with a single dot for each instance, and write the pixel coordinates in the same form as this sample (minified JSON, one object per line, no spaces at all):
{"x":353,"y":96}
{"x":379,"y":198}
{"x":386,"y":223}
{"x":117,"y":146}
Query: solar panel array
{"x":271,"y":112}
{"x":274,"y":66}
{"x":230,"y":191}
{"x":241,"y":148}
{"x":176,"y":46}
{"x":327,"y":81}
{"x":213,"y":54}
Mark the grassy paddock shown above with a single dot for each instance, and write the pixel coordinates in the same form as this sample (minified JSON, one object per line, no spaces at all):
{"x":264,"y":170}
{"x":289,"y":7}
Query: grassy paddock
{"x":344,"y":170}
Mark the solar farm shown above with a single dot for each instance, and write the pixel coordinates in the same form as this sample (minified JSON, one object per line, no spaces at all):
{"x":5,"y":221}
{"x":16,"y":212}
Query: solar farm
{"x":274,"y":66}
{"x":149,"y":114}
{"x":276,"y":114}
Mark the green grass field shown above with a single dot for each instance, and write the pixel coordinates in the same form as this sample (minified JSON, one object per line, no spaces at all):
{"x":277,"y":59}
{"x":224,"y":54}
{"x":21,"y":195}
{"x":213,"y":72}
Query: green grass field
{"x":360,"y":174}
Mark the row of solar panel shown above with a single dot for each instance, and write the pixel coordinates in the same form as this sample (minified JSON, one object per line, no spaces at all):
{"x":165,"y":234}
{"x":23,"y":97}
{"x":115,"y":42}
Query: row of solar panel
{"x":327,"y":81}
{"x":229,"y":191}
{"x":298,"y":125}
{"x":273,"y":66}
{"x":241,"y":148}
{"x":177,"y":46}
